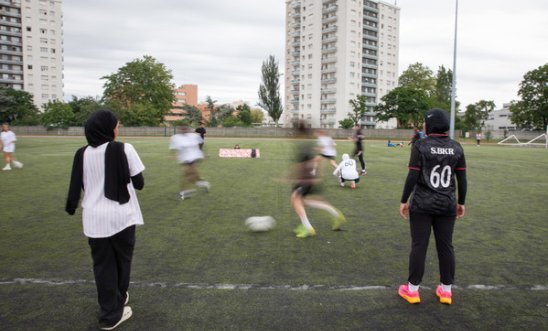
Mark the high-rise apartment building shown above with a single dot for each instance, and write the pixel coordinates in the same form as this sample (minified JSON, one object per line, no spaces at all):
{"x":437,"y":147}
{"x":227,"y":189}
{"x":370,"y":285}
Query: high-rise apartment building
{"x":31,"y":48}
{"x":335,"y":51}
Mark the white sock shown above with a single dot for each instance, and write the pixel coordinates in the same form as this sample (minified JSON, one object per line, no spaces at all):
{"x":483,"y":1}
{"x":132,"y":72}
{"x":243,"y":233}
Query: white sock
{"x":323,"y":206}
{"x":306,"y":223}
{"x":446,"y":288}
{"x":413,"y":288}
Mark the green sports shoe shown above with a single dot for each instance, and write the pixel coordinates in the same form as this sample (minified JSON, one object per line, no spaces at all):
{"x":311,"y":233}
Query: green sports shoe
{"x":302,"y":232}
{"x":338,"y":221}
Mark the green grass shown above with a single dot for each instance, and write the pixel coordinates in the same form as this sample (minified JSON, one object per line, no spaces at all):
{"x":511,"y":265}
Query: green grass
{"x":501,"y":241}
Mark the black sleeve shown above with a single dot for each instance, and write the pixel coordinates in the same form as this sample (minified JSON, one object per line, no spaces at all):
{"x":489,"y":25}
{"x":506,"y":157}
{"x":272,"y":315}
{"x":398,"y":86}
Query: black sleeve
{"x":410,"y":182}
{"x":462,"y":186}
{"x":76,"y":182}
{"x":138,"y":181}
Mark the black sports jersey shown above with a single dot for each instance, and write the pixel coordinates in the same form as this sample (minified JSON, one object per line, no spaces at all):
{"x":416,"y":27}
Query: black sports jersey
{"x":437,"y":158}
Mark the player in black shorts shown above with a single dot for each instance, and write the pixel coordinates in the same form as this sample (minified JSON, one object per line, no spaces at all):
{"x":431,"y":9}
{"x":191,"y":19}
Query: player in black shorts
{"x":434,"y":164}
{"x":307,"y":182}
{"x":358,"y":149}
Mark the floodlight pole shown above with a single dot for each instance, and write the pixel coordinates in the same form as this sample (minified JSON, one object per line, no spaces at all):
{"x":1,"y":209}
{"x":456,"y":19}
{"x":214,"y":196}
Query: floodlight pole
{"x":454,"y":82}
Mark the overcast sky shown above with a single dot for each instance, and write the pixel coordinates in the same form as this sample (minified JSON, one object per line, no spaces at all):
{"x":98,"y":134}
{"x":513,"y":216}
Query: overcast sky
{"x":220,"y":45}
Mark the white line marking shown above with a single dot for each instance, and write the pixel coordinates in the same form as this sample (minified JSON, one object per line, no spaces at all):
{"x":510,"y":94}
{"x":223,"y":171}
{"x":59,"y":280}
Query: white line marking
{"x":244,"y":287}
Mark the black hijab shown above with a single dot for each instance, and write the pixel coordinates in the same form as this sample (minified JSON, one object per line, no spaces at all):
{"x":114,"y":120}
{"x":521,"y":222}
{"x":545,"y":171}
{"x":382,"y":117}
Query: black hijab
{"x":99,"y":129}
{"x":437,"y":121}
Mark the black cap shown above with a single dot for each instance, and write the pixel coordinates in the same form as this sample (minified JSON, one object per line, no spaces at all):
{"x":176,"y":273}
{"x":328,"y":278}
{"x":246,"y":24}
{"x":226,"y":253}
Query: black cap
{"x":436,"y":121}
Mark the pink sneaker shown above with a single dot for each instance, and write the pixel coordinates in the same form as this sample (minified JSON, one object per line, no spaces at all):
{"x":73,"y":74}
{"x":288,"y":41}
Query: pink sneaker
{"x":411,"y":297}
{"x":445,"y":297}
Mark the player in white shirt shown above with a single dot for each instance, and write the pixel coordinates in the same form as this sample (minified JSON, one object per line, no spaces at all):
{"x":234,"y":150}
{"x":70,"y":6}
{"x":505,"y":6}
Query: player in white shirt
{"x":8,"y":139}
{"x":187,"y":146}
{"x":108,"y":172}
{"x":346,"y":171}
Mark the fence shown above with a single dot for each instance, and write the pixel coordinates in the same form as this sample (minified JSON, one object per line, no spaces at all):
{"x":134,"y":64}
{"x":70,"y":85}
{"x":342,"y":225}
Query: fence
{"x":266,"y":132}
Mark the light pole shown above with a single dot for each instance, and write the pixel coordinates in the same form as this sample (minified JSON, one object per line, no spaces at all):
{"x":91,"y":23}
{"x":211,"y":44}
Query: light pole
{"x":454,"y":82}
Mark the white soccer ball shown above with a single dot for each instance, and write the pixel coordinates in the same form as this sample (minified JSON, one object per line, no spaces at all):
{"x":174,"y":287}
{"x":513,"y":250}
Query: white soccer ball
{"x":260,"y":223}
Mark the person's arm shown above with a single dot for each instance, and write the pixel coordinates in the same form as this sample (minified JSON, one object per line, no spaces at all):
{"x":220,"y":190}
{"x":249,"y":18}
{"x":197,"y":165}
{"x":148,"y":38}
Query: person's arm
{"x":411,"y":181}
{"x":336,"y":171}
{"x":138,"y":181}
{"x":462,"y":186}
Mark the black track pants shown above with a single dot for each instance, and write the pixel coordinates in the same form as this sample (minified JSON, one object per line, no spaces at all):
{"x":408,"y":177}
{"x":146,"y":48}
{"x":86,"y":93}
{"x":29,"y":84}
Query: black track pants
{"x":421,"y":225}
{"x":111,"y":267}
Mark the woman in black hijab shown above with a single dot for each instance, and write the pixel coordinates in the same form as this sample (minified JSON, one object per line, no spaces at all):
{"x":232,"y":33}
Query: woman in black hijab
{"x":108,"y":172}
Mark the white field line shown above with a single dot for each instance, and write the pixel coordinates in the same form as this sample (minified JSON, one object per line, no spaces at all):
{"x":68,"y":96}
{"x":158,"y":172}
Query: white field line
{"x":244,"y":287}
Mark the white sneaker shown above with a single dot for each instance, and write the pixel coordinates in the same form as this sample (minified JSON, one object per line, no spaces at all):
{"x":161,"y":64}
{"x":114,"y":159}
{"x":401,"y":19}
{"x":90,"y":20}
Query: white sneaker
{"x":203,"y":184}
{"x":7,"y":167}
{"x":126,"y":314}
{"x":17,"y":164}
{"x":342,"y":184}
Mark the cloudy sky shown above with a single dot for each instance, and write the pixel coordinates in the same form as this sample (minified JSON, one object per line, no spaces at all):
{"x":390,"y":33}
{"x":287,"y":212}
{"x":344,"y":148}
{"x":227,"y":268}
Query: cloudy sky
{"x":220,"y":44}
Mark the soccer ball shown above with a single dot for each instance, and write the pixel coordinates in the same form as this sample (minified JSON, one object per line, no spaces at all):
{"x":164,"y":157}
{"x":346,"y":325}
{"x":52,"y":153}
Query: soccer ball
{"x":260,"y":223}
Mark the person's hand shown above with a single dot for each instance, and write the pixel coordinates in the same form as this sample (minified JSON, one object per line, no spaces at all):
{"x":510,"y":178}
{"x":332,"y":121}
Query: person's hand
{"x":404,"y":210}
{"x":71,"y":211}
{"x":460,"y":211}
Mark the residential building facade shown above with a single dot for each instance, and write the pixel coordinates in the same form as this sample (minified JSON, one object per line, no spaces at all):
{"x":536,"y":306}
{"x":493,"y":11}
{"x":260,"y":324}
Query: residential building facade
{"x":335,"y":51}
{"x":500,"y":119}
{"x":31,"y":48}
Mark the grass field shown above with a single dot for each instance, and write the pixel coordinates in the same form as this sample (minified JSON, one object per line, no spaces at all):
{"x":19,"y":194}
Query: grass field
{"x":196,"y":267}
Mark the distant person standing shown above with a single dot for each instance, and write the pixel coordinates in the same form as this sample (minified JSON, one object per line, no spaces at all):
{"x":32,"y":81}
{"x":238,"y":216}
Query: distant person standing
{"x":435,"y":162}
{"x":358,"y":147}
{"x":108,"y":172}
{"x":8,"y":139}
{"x":417,"y":135}
{"x":202,"y":132}
{"x":478,"y":138}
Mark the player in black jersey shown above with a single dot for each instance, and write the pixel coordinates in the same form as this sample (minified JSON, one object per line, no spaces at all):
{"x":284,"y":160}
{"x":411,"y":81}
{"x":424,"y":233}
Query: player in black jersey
{"x":434,"y":164}
{"x":358,"y":149}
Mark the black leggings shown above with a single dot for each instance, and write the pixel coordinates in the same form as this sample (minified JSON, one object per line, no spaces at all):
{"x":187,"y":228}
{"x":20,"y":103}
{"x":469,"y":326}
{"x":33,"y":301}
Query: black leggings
{"x":421,"y":225}
{"x":360,"y":157}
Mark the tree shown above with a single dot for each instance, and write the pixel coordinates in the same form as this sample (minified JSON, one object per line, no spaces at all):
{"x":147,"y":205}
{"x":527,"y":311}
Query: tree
{"x":193,"y":115}
{"x":359,"y":109}
{"x":420,"y":77}
{"x":244,"y":114}
{"x":17,"y":107}
{"x":347,"y":123}
{"x":442,"y":94}
{"x":82,"y":108}
{"x":257,"y":116}
{"x":141,"y":85}
{"x":406,"y":104}
{"x":532,"y":110}
{"x":212,"y":108}
{"x":269,"y":94}
{"x":57,"y":114}
{"x":232,"y":121}
{"x":476,"y":114}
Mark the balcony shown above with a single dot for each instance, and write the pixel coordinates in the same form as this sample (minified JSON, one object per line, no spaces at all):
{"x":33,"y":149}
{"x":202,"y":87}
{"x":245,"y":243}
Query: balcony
{"x":329,"y":70}
{"x":329,"y":40}
{"x":368,"y":75}
{"x":329,"y":19}
{"x":295,"y":102}
{"x":11,"y":61}
{"x":11,"y":33}
{"x":328,"y":50}
{"x":295,"y":33}
{"x":297,"y":54}
{"x":296,"y":4}
{"x":11,"y":81}
{"x":328,"y":90}
{"x":328,"y":111}
{"x":330,"y":29}
{"x":294,"y":92}
{"x":328,"y":1}
{"x":369,"y":94}
{"x":12,"y":24}
{"x":4,"y":12}
{"x":329,"y":9}
{"x":328,"y":101}
{"x":331,"y":59}
{"x":5,"y":51}
{"x":295,"y":43}
{"x":11,"y":71}
{"x":369,"y":84}
{"x":329,"y":81}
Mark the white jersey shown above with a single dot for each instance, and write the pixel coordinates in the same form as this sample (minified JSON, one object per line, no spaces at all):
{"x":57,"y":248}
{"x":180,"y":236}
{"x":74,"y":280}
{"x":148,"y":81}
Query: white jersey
{"x":103,"y":217}
{"x":187,"y":146}
{"x":327,"y":146}
{"x":347,"y":170}
{"x":8,"y":141}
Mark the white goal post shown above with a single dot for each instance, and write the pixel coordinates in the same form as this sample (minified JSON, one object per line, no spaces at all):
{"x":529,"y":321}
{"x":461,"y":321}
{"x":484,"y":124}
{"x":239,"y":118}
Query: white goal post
{"x":533,"y":142}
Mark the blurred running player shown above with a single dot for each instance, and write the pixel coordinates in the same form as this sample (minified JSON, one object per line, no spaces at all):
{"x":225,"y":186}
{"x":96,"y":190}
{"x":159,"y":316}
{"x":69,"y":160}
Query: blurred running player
{"x":307,"y":183}
{"x":187,"y":145}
